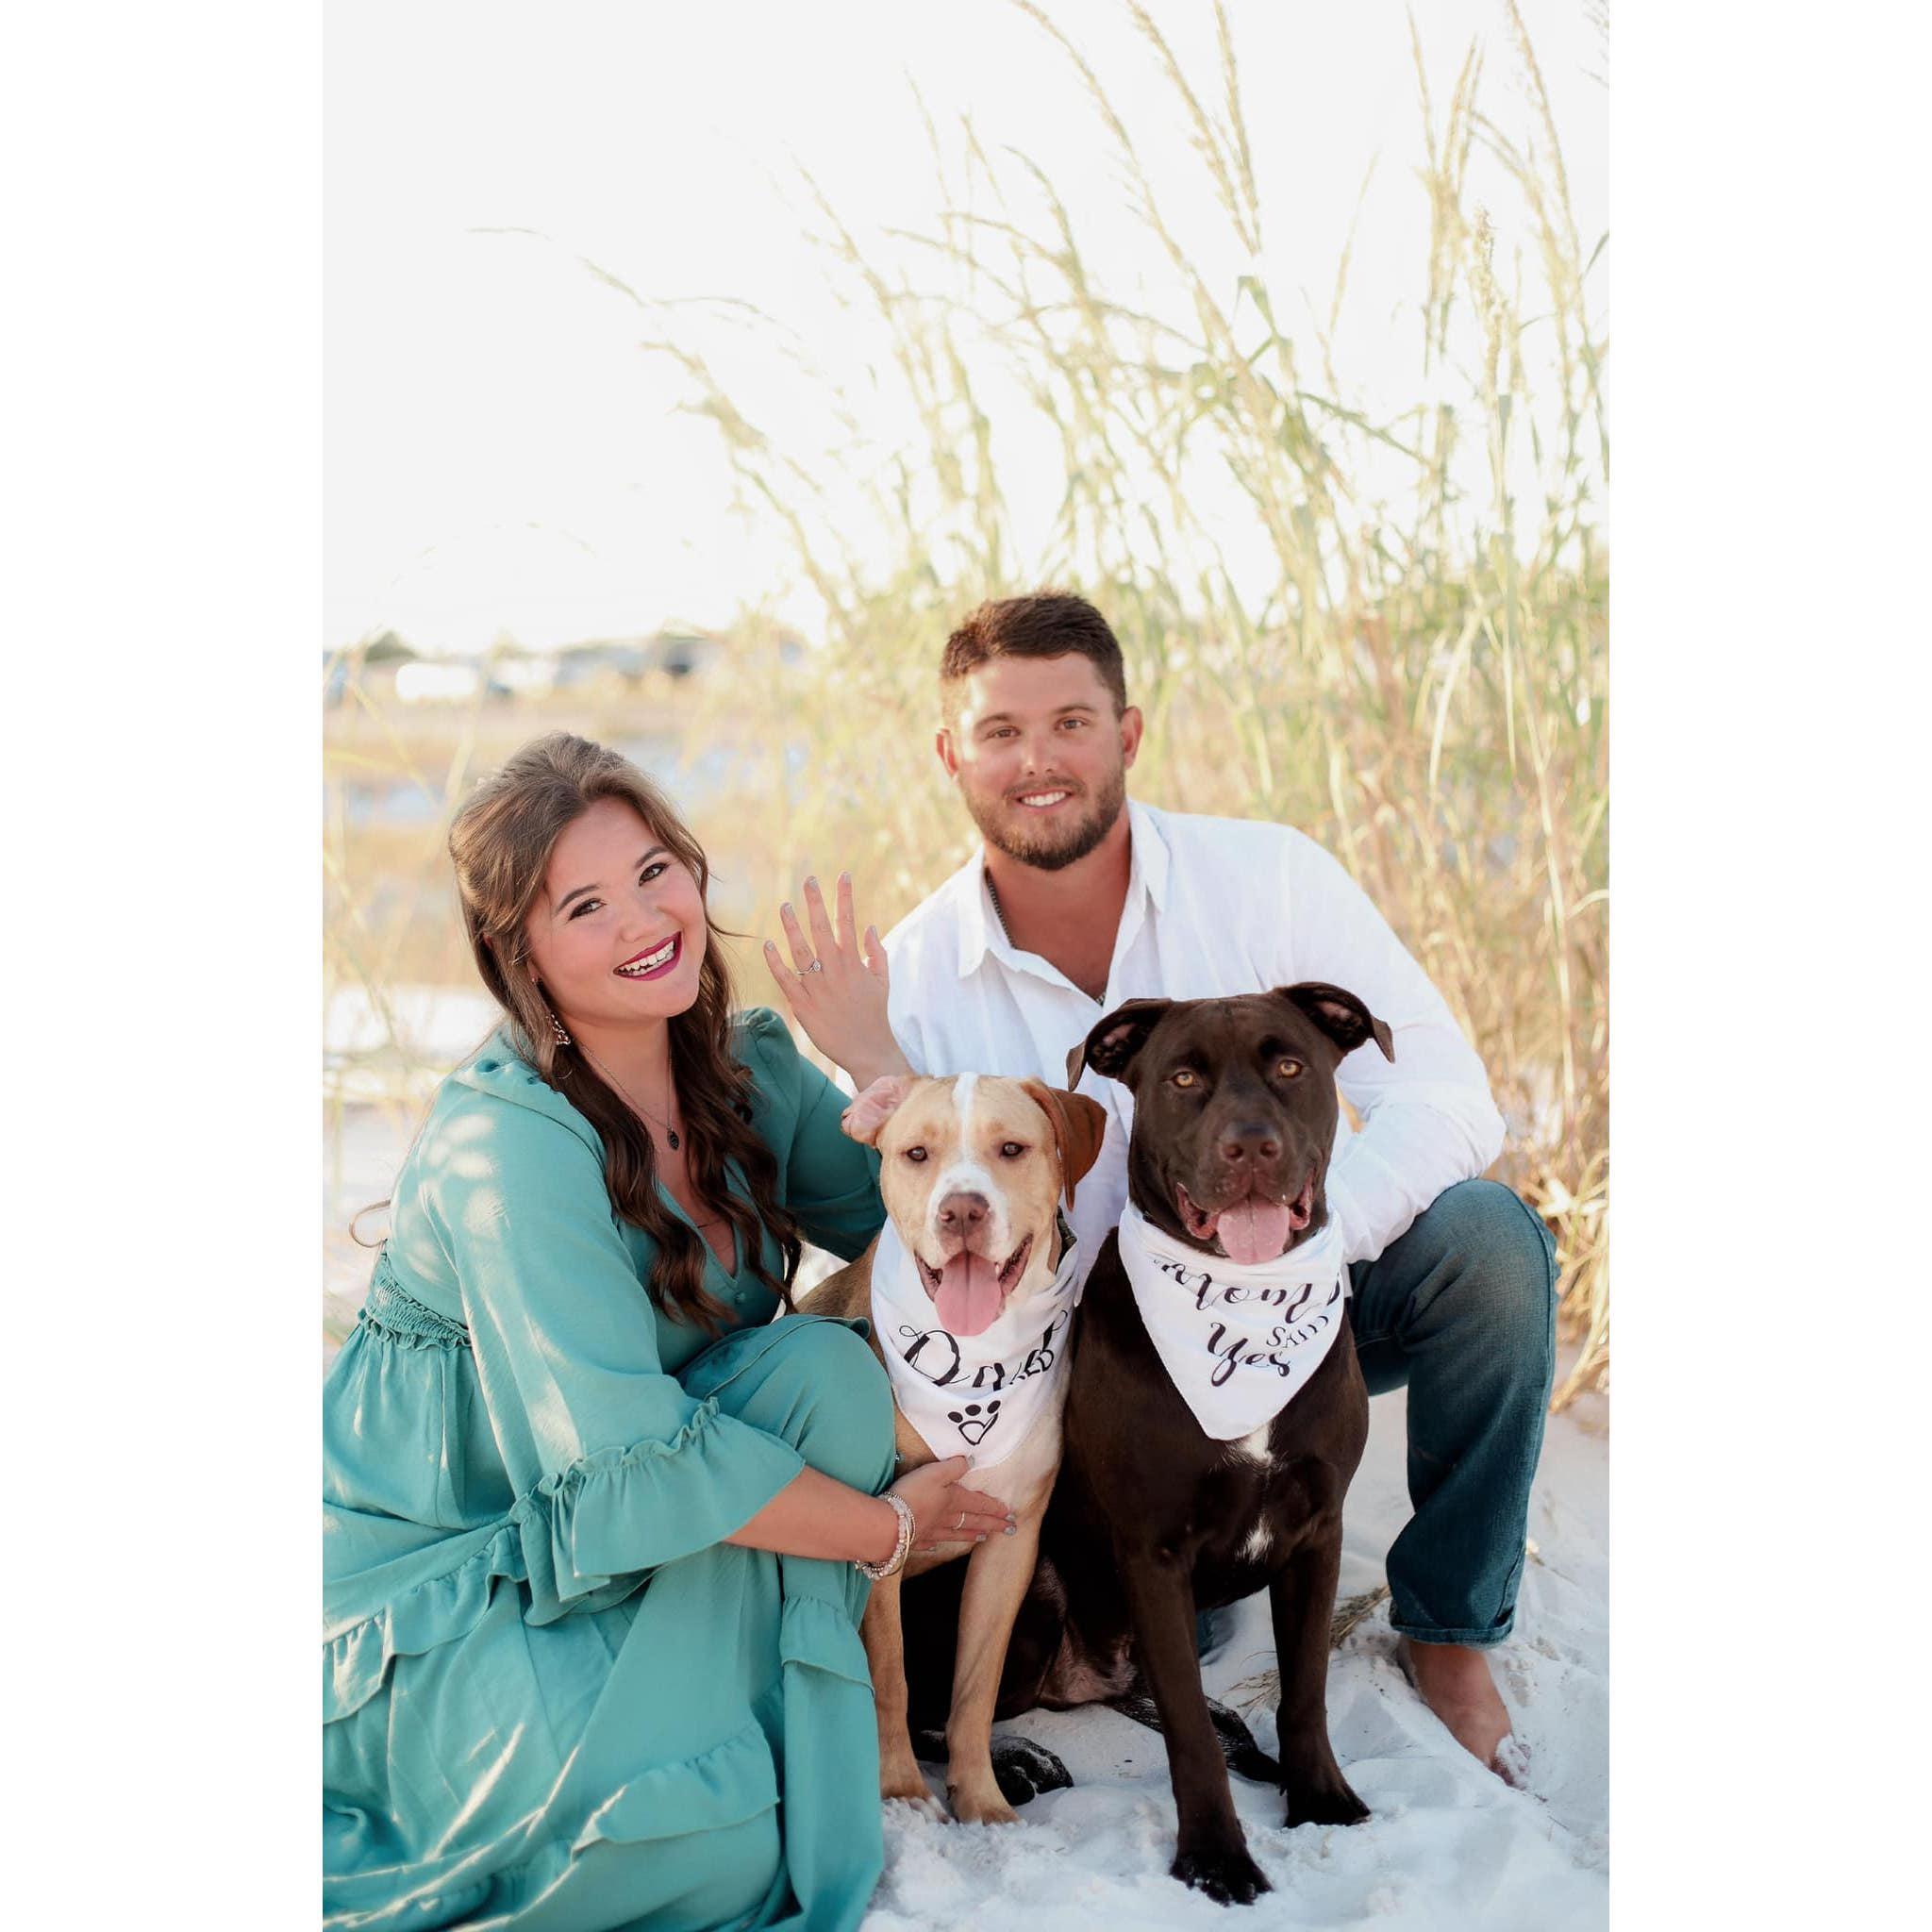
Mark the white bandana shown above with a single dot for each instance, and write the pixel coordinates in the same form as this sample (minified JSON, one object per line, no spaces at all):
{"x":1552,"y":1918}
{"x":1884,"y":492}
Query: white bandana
{"x":976,"y":1395}
{"x":1238,"y":1342}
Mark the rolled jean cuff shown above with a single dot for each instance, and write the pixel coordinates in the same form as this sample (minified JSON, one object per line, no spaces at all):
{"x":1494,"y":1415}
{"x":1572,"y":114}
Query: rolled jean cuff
{"x":1470,"y":1639}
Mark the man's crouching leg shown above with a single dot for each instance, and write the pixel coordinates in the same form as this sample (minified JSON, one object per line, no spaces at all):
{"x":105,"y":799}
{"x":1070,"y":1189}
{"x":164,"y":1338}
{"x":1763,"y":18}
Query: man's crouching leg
{"x":1462,"y":1308}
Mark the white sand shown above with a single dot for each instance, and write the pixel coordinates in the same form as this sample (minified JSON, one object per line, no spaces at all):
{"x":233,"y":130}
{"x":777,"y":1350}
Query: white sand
{"x":1449,"y":1846}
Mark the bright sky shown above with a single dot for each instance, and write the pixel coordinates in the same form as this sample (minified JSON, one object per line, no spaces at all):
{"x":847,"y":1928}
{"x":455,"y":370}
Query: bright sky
{"x":501,"y":456}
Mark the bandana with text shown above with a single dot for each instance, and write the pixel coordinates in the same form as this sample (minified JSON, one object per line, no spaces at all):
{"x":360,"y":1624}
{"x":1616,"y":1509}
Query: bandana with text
{"x":1238,"y":1342}
{"x":976,"y":1395}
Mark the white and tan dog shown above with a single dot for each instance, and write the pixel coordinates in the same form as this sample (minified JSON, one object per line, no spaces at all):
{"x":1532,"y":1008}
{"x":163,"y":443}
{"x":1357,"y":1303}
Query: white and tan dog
{"x":969,"y":1291}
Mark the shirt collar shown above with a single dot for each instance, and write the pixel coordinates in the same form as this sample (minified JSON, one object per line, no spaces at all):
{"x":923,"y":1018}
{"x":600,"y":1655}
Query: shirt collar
{"x":976,"y":921}
{"x":1150,"y":854}
{"x":979,"y":927}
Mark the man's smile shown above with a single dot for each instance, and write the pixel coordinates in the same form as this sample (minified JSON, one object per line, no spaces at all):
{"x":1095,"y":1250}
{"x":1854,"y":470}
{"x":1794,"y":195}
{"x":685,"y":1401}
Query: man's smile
{"x":1043,"y":800}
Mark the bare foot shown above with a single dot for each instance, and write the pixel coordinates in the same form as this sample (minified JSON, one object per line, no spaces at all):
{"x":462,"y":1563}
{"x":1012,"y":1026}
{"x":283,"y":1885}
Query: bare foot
{"x":1455,"y":1682}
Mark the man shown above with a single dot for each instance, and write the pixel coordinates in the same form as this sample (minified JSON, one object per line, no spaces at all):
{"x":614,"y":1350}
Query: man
{"x":1080,"y":899}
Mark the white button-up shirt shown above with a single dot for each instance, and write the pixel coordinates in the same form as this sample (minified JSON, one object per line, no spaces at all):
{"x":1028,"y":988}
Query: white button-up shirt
{"x":1214,"y":907}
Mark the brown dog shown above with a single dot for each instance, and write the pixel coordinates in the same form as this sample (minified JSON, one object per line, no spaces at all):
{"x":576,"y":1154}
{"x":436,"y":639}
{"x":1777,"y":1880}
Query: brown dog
{"x":974,"y":1315}
{"x":1157,"y":1516}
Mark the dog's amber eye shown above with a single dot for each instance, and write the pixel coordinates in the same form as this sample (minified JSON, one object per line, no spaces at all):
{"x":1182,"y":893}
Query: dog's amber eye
{"x":915,"y":1154}
{"x":1186,"y":1078}
{"x":1011,"y":1150}
{"x":1288,"y":1069}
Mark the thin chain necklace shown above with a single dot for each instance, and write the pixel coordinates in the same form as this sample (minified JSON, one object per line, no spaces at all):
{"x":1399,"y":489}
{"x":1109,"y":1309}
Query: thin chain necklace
{"x":999,"y":911}
{"x":670,"y":1132}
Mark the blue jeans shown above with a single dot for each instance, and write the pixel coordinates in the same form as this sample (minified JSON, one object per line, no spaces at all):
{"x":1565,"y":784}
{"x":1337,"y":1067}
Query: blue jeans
{"x":1462,"y":1309}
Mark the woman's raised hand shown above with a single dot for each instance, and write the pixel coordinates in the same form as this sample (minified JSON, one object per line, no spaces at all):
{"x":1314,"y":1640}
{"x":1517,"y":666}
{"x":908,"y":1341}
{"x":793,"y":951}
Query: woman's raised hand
{"x":943,"y":1510}
{"x":836,"y":985}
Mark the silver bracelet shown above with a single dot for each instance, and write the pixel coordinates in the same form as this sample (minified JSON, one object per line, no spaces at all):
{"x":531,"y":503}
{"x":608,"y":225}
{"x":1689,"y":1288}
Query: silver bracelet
{"x":896,"y":1562}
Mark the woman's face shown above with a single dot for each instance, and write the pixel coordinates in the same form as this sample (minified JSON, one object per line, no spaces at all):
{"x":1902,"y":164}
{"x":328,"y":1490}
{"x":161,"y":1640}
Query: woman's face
{"x":617,"y":934}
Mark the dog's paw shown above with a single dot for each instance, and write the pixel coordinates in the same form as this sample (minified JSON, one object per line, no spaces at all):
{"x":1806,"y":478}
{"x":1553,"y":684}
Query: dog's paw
{"x":904,"y":1782}
{"x":1022,"y":1769}
{"x":1226,"y":1875}
{"x":1325,"y":1803}
{"x":1237,"y":1746}
{"x":976,"y":1807}
{"x":924,"y":1805}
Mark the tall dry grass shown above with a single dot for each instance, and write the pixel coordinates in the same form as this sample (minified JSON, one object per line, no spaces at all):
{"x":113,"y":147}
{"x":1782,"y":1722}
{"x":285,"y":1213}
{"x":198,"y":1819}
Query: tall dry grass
{"x":1423,"y":688}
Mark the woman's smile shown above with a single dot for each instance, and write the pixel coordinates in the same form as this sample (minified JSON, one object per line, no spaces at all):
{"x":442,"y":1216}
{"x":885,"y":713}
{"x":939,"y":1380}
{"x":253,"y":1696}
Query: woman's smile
{"x":655,"y":963}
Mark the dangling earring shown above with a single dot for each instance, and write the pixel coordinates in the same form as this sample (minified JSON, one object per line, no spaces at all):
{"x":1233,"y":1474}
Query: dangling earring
{"x":557,"y":1032}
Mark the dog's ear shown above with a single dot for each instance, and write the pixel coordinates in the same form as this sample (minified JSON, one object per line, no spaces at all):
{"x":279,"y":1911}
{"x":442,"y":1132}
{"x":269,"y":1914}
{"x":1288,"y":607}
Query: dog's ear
{"x":871,"y":1110}
{"x":1079,"y":1125}
{"x":1342,"y":1017}
{"x":1111,"y":1047}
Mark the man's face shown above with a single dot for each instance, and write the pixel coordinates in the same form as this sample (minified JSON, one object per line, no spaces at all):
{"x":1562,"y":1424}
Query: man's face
{"x":1040,"y":756}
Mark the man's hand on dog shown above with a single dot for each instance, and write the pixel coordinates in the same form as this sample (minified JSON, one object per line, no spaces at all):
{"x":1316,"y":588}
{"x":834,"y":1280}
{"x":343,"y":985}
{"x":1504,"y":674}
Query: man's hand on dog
{"x":943,"y":1511}
{"x":836,"y":985}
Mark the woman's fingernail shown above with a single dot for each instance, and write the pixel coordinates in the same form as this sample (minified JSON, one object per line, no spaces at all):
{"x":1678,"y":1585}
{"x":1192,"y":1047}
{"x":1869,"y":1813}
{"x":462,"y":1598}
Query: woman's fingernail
{"x":813,"y":885}
{"x":980,"y":1537}
{"x":1011,"y":1529}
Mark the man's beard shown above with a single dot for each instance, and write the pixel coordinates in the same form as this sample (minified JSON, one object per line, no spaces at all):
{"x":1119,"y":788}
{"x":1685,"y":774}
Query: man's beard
{"x":1052,"y":846}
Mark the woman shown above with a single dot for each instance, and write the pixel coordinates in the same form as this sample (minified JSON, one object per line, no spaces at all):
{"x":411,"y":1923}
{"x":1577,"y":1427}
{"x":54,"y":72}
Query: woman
{"x":592,"y":1516}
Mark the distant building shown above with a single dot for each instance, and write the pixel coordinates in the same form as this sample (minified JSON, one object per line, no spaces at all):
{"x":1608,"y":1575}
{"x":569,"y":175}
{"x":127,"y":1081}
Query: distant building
{"x":597,"y":660}
{"x":607,"y":661}
{"x":525,"y":675}
{"x":448,"y":680}
{"x":680,"y":652}
{"x":369,"y":665}
{"x":506,"y":670}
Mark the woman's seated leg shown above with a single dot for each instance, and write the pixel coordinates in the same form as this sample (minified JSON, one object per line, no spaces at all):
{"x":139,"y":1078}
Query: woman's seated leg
{"x":812,"y":1381}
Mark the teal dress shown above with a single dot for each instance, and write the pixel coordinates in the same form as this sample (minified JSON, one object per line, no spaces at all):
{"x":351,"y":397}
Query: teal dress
{"x":554,"y":1698}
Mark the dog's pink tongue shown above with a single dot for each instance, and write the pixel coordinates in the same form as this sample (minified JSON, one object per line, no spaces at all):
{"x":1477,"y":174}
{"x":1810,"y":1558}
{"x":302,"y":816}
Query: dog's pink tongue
{"x":969,"y":1295}
{"x":1256,"y":1231}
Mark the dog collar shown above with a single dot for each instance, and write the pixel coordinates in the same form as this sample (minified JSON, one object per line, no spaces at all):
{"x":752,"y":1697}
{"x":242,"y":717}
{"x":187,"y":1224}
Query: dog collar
{"x":1238,"y":1342}
{"x":977,"y":1395}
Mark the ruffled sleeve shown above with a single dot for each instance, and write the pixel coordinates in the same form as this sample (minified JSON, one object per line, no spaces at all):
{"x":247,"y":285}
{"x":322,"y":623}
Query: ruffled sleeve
{"x":831,"y":1182}
{"x":620,"y":1469}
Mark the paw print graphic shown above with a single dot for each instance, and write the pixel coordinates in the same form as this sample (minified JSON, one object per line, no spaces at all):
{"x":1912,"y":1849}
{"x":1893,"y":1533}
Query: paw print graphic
{"x":972,"y":1423}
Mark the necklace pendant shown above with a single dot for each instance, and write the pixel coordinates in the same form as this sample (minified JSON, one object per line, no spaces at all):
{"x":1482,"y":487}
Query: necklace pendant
{"x":670,"y":1135}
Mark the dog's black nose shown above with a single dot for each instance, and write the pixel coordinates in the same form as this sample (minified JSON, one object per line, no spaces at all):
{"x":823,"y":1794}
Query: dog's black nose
{"x":962,"y":1214}
{"x":1249,"y":1143}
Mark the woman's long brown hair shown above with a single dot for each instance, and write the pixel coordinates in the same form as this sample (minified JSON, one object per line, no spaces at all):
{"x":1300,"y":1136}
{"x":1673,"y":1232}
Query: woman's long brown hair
{"x":500,"y":843}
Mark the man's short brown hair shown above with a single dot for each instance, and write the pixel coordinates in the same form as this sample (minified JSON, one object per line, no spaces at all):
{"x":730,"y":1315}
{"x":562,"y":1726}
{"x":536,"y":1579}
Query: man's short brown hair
{"x":1047,"y":623}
